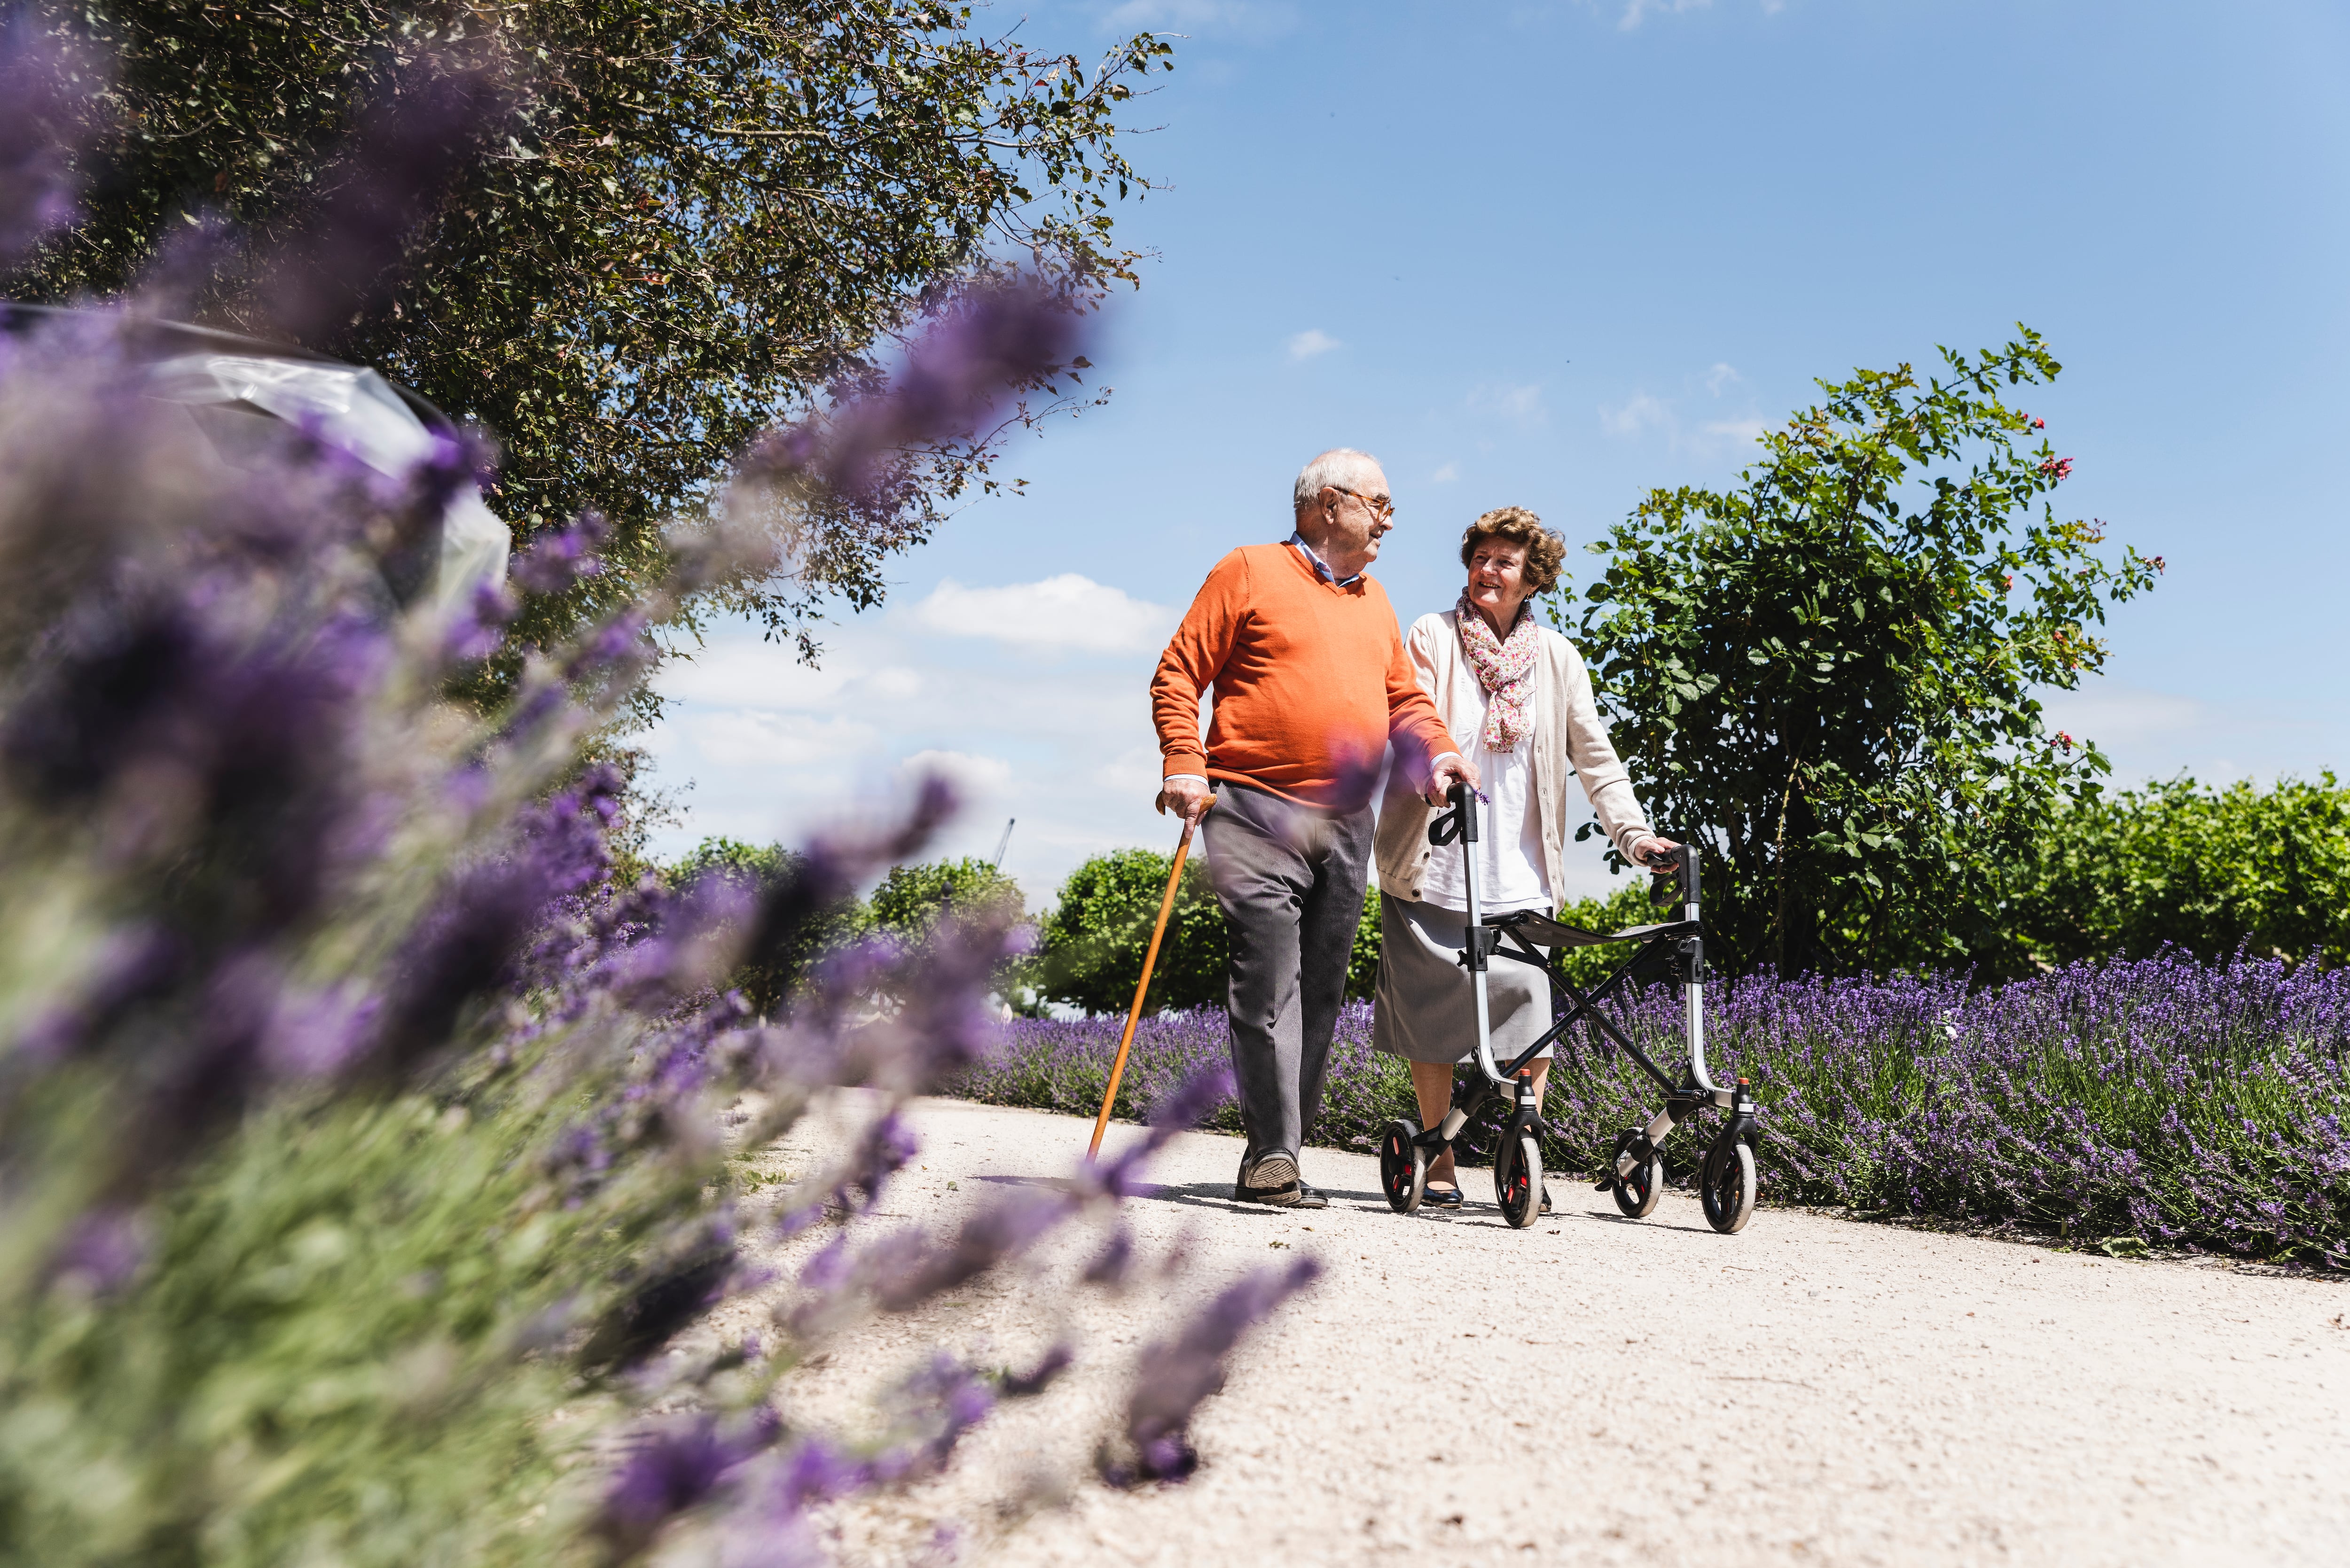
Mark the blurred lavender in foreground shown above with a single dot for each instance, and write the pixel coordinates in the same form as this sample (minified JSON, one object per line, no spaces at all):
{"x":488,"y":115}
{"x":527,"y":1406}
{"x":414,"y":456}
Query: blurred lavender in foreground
{"x":1175,"y":1375}
{"x":40,"y":83}
{"x":347,"y":1094}
{"x":1006,"y":334}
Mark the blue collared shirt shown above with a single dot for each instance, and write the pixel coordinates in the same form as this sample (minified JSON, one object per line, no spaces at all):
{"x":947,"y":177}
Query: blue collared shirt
{"x":1321,"y":567}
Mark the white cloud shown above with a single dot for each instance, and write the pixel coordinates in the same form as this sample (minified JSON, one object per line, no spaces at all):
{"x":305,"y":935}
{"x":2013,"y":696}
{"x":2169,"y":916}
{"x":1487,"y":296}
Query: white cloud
{"x":2151,"y":734}
{"x":1133,"y":772}
{"x":1250,"y":21}
{"x":1519,"y":405}
{"x":1638,"y":413}
{"x":1310,"y":342}
{"x":2126,"y":715}
{"x":1720,"y":376}
{"x":975,"y":778}
{"x":1642,"y":414}
{"x":1445,"y":475}
{"x":1068,"y":611}
{"x":747,"y":673}
{"x":754,"y":738}
{"x":1636,"y":10}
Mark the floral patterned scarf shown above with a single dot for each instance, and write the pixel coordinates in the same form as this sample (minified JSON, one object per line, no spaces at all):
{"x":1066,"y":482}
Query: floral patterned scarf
{"x":1505,"y":668}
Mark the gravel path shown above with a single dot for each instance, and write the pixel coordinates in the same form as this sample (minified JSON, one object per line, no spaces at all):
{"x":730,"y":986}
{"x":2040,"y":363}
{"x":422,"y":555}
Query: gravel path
{"x":1596,"y":1390}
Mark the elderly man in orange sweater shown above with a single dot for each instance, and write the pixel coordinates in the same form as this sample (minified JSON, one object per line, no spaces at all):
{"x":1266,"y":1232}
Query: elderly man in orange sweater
{"x":1311,"y":686}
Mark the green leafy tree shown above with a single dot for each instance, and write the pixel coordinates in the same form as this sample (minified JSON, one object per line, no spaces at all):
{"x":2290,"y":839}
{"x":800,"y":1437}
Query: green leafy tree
{"x":768,"y":984}
{"x":1091,"y":946}
{"x":2207,"y":870}
{"x":690,"y":219}
{"x":919,"y":904}
{"x":911,"y":905}
{"x":1827,"y":674}
{"x":912,"y":900}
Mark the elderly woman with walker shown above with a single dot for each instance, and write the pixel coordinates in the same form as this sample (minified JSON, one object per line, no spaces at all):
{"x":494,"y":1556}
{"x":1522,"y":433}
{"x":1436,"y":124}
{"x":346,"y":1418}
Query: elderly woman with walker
{"x":1517,"y":699}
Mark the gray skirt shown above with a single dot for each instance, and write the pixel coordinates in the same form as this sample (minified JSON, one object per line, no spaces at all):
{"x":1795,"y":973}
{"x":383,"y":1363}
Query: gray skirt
{"x":1424,"y":1012}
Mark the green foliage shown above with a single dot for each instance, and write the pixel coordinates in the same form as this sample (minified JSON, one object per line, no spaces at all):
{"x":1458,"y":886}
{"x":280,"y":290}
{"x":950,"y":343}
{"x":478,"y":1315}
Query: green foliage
{"x":699,"y":215}
{"x":2205,"y":871}
{"x":1363,"y":959}
{"x":1828,"y":673}
{"x":767,"y":983}
{"x":917,"y":904}
{"x":336,"y":1351}
{"x":911,"y":905}
{"x":1090,"y":947}
{"x":1621,"y":910}
{"x":913,"y":900}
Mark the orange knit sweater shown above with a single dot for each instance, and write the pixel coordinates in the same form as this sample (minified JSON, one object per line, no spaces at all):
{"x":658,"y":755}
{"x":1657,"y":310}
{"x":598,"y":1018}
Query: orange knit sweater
{"x":1311,"y":683}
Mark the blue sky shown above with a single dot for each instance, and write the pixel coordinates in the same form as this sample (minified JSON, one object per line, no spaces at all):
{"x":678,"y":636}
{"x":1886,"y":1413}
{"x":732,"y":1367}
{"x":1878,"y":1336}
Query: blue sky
{"x":1555,"y":254}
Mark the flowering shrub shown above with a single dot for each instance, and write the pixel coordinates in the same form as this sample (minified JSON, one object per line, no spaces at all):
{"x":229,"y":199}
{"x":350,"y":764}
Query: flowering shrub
{"x":2169,"y":1099}
{"x":363,"y":1141}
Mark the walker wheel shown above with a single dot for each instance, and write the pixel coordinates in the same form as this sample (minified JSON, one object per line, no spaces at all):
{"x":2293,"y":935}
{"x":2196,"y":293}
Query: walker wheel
{"x":1636,"y":1194}
{"x":1403,"y":1167}
{"x":1518,"y":1179}
{"x":1726,"y":1184}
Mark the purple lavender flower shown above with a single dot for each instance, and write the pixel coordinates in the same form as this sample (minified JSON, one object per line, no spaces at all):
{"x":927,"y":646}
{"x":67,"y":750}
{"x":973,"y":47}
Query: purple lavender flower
{"x":217,"y":720}
{"x":2167,"y":1098}
{"x":103,"y":1249}
{"x":1185,"y":1107}
{"x":419,"y":140}
{"x":672,"y":1467}
{"x":1039,"y":1377}
{"x":561,"y":557}
{"x":41,"y":85}
{"x":936,"y":1406}
{"x":986,"y":343}
{"x":1173,"y":1376}
{"x":1111,"y":1265}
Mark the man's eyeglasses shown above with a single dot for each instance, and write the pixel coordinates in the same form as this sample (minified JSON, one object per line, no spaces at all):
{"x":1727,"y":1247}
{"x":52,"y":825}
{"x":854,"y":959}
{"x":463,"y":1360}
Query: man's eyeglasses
{"x":1380,"y":506}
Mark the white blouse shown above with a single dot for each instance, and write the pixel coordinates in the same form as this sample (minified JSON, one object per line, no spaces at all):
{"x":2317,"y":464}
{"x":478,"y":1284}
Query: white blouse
{"x":1508,"y":847}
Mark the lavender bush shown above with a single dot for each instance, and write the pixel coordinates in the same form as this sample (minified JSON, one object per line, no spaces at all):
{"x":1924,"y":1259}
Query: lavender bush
{"x":2165,"y":1100}
{"x":363,"y":1141}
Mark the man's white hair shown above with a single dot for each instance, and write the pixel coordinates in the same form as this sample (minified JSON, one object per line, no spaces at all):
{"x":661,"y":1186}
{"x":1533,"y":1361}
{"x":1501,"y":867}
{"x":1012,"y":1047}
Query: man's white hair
{"x":1341,"y":466}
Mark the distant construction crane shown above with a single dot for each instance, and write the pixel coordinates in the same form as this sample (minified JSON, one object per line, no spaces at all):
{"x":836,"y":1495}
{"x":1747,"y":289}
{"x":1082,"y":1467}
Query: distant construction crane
{"x":1003,"y":844}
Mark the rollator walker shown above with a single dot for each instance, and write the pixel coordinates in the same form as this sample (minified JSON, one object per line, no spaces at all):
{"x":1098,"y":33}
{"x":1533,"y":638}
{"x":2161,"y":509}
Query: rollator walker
{"x":1726,"y":1181}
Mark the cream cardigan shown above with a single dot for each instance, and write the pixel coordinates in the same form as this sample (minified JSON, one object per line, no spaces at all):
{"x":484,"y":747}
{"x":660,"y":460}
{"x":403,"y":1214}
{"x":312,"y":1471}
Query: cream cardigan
{"x":1569,"y":737}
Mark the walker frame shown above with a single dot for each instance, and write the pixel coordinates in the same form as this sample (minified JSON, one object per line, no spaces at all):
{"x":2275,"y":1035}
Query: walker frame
{"x":1726,"y":1177}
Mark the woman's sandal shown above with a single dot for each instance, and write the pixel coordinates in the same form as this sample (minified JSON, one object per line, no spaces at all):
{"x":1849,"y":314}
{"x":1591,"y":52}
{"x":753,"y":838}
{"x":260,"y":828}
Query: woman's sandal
{"x":1440,"y":1198}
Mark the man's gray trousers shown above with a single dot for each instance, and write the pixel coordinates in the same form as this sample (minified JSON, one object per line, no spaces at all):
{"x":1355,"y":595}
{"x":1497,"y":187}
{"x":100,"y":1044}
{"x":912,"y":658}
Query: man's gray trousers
{"x":1290,"y":879}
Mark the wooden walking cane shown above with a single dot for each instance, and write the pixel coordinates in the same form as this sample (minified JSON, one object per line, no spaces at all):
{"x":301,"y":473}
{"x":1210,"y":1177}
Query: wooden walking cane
{"x":1149,"y":958}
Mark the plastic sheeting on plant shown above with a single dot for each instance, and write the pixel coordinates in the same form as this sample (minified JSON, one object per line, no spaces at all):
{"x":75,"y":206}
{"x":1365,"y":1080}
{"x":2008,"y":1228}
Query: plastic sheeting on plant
{"x":357,"y":409}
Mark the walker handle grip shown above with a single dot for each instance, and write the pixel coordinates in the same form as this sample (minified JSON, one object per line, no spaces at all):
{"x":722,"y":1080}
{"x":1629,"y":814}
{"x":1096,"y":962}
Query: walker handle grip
{"x":1674,"y":870}
{"x":1458,"y":824}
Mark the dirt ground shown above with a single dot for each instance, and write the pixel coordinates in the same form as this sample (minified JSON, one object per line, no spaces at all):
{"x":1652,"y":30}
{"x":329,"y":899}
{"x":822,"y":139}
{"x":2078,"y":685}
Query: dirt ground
{"x":1596,"y":1390}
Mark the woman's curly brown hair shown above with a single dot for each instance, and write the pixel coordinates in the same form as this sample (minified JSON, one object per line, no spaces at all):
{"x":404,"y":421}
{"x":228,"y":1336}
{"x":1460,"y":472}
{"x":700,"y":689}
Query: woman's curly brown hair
{"x":1545,"y":551}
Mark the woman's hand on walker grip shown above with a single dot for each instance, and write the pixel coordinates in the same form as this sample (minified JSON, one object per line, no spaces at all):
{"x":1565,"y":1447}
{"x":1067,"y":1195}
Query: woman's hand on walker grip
{"x":1647,"y":850}
{"x":1442,"y":776}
